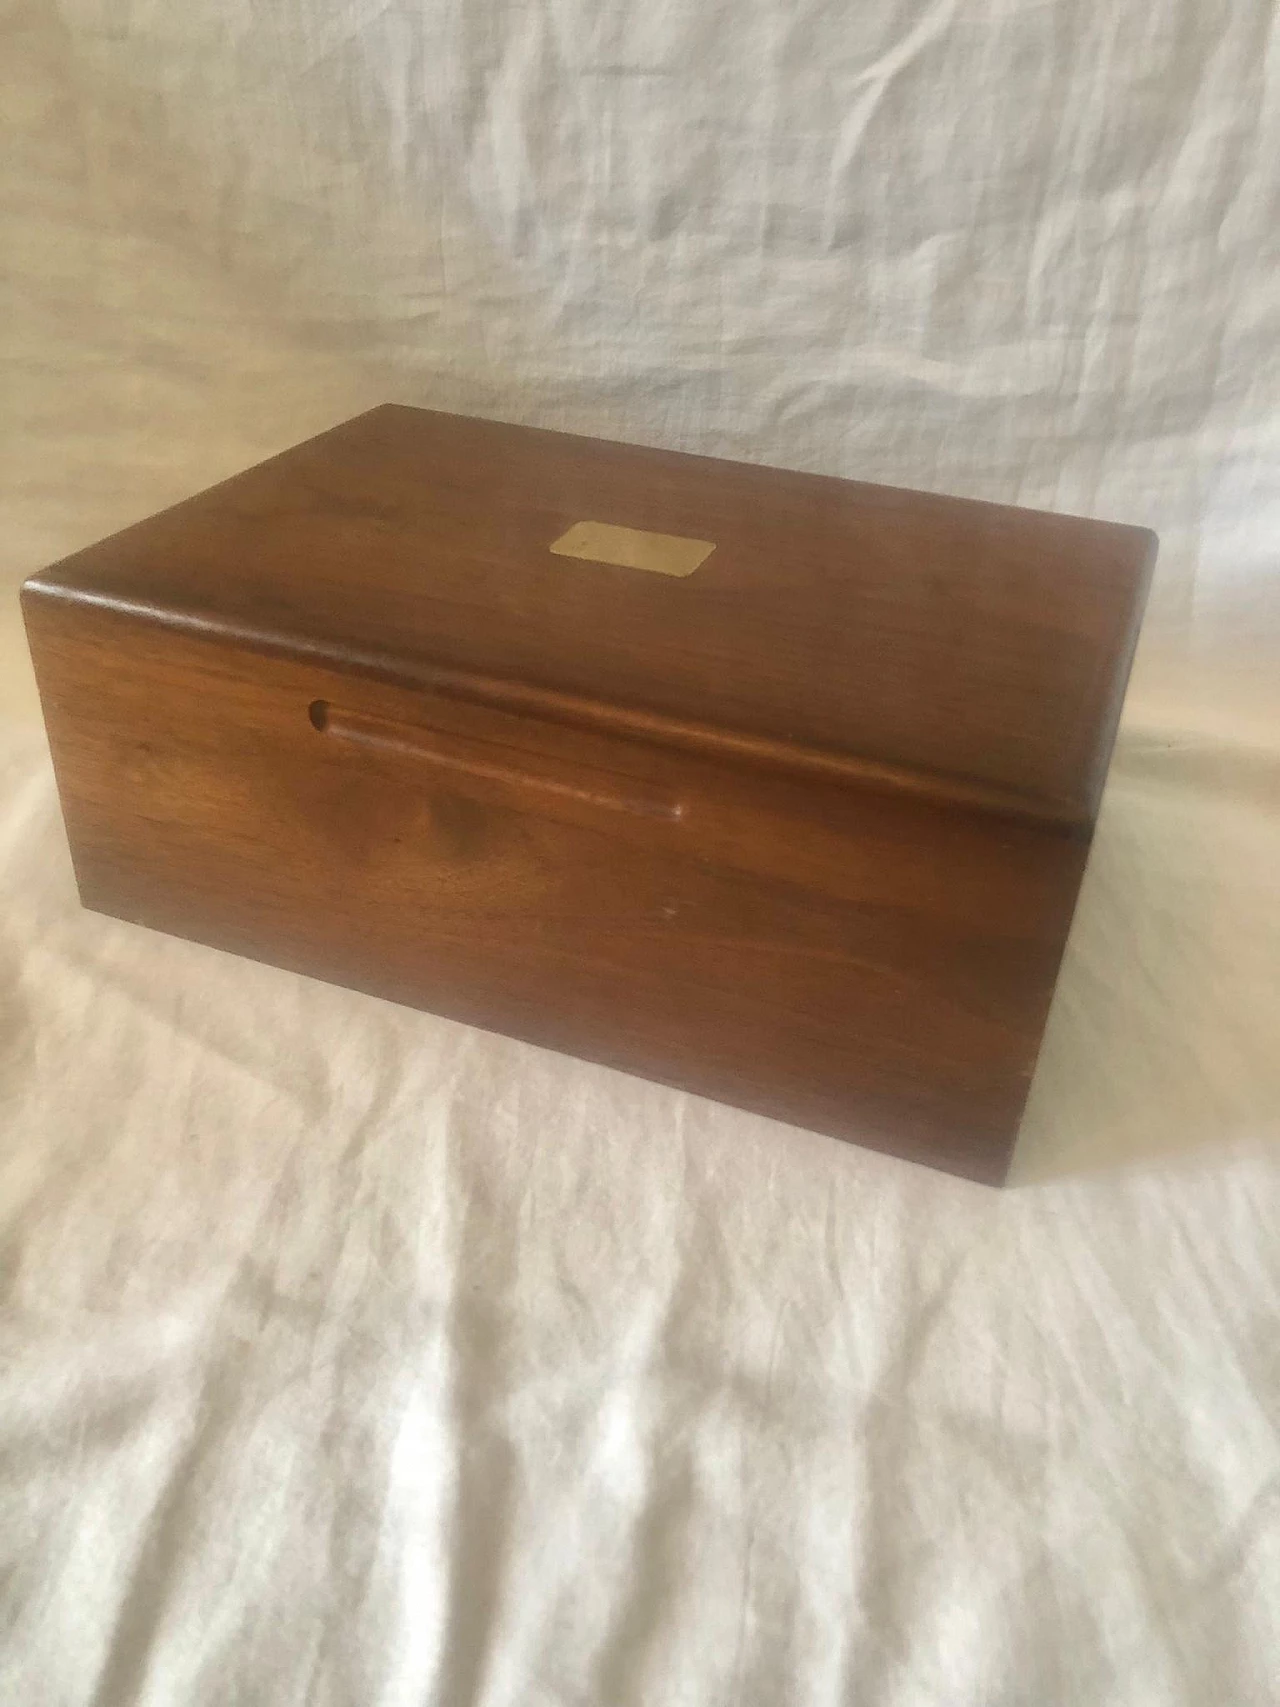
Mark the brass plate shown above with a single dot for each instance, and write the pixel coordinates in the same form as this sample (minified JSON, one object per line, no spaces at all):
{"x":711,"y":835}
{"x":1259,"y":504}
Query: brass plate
{"x":632,"y":548}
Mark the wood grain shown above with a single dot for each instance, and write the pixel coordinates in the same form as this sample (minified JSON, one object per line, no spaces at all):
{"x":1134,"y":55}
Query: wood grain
{"x":802,"y":831}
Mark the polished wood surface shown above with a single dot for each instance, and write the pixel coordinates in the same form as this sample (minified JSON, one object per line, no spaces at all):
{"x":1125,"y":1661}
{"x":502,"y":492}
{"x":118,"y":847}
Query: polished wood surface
{"x":570,"y":804}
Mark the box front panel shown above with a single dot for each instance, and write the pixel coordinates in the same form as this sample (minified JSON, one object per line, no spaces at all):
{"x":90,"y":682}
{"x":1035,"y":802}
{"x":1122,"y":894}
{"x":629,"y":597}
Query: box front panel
{"x":873,"y":968}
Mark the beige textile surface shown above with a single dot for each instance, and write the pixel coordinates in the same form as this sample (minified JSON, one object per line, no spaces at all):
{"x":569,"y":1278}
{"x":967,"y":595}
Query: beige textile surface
{"x":351,"y":1356}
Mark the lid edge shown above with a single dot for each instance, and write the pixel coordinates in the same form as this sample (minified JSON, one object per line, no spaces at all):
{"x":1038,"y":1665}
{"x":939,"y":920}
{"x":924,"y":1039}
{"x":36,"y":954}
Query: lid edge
{"x":627,"y":721}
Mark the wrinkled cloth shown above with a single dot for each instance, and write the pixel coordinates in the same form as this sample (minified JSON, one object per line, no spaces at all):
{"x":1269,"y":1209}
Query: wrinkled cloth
{"x":351,"y":1356}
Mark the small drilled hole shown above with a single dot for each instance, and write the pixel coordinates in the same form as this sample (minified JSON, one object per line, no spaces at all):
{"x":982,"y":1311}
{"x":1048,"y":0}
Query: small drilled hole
{"x":318,"y":712}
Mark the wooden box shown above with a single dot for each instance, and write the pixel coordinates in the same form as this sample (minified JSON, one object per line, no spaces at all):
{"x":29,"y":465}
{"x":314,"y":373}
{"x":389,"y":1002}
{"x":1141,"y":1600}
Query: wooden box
{"x":771,"y":786}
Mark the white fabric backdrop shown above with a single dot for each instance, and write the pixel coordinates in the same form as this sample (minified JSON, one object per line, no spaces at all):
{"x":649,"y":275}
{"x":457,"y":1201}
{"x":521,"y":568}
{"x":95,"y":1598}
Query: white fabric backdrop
{"x":349,"y":1356}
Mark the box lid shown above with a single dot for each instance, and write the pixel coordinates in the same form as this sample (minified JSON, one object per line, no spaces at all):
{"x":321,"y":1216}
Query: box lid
{"x":936,"y":642}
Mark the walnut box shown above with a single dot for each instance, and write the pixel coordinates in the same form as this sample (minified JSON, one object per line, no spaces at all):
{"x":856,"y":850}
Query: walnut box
{"x":774,"y":787}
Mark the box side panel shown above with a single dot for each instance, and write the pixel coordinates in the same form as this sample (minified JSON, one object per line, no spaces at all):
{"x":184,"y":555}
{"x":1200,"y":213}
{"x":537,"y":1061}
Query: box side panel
{"x":874,"y":969}
{"x":1114,"y":665}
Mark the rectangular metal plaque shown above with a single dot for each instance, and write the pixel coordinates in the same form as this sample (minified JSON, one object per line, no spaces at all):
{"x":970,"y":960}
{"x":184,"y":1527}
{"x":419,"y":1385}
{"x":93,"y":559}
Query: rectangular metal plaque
{"x":633,"y":548}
